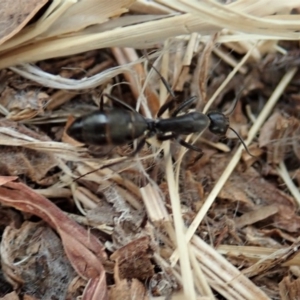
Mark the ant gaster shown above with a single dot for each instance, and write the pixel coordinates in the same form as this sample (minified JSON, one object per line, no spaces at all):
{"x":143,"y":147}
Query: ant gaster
{"x":119,"y":126}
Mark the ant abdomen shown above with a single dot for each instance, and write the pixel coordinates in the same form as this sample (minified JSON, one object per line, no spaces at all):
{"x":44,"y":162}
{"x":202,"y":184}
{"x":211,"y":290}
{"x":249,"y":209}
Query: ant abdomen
{"x":112,"y":127}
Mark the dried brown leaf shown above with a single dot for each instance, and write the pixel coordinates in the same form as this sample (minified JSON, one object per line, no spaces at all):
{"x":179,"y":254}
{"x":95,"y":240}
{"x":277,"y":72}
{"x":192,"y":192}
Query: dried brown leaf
{"x":278,"y":234}
{"x":10,"y":296}
{"x":128,"y":290}
{"x":76,"y":287}
{"x":19,"y":161}
{"x":29,"y":297}
{"x":32,"y":259}
{"x":96,"y":289}
{"x":204,"y":68}
{"x":250,"y":188}
{"x":15,"y":15}
{"x":277,"y":135}
{"x":260,"y":213}
{"x":82,"y":248}
{"x":83,"y":14}
{"x":23,"y":105}
{"x":289,"y":289}
{"x":234,"y":192}
{"x":134,"y":260}
{"x":20,"y":128}
{"x":6,"y":179}
{"x":287,"y":219}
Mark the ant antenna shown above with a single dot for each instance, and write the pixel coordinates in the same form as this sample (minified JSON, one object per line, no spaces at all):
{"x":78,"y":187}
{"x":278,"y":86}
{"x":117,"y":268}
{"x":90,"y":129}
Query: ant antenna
{"x":164,"y":81}
{"x":230,"y":111}
{"x":100,"y":168}
{"x":241,"y":140}
{"x":171,"y":92}
{"x":234,"y":104}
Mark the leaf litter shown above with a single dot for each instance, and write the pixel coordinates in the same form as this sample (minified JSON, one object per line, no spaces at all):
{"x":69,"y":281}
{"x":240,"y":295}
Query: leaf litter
{"x":221,"y":225}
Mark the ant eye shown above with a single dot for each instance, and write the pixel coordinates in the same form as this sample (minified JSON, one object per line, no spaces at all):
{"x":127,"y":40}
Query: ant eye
{"x":219,"y":123}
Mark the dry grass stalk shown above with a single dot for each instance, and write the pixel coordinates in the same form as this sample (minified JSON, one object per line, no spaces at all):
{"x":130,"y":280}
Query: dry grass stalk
{"x":222,"y":276}
{"x":53,"y":35}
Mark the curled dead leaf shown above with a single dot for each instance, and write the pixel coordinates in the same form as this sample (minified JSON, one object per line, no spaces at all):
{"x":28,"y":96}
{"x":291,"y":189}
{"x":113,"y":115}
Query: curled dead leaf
{"x":84,"y":251}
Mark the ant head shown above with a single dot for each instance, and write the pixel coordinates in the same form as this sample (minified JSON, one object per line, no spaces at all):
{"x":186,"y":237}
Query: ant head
{"x":219,"y":123}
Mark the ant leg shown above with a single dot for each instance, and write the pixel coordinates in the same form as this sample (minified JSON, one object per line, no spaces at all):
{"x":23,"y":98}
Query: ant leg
{"x":180,"y":141}
{"x":183,"y":105}
{"x":114,"y":99}
{"x":168,"y":103}
{"x":138,"y":148}
{"x":188,"y":145}
{"x":164,"y":107}
{"x":167,"y":137}
{"x":102,"y":103}
{"x":102,"y":167}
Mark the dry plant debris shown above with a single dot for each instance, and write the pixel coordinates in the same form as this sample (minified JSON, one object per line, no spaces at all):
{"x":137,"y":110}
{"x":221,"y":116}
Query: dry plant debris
{"x":16,"y":14}
{"x":168,"y":223}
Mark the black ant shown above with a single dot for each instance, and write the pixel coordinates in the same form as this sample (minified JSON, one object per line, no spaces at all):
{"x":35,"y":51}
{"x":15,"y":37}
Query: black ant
{"x":119,"y":126}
